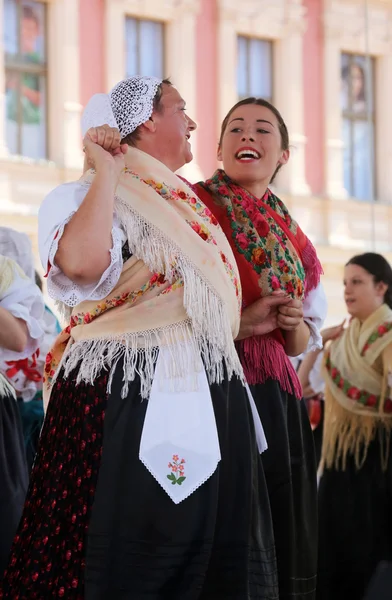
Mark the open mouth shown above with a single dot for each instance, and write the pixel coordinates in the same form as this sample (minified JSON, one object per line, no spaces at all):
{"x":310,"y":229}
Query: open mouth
{"x":247,"y":155}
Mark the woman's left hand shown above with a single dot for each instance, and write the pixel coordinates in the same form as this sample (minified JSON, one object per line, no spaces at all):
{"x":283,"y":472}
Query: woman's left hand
{"x":291,"y":315}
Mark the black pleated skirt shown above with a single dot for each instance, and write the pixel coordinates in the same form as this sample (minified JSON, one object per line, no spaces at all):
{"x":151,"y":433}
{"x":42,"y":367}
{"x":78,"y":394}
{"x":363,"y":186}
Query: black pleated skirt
{"x":355,"y":522}
{"x":96,"y":525}
{"x":290,"y":471}
{"x":13,"y":475}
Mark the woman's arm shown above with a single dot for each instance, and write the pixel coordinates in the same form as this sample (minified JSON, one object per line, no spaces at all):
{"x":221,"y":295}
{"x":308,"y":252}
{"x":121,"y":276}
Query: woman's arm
{"x":84,"y":249}
{"x":305,"y":368}
{"x":296,"y":339}
{"x":13,"y":332}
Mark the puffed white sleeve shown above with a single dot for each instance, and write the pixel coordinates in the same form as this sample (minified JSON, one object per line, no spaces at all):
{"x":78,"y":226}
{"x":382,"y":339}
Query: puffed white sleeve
{"x":55,"y":212}
{"x":315,"y":311}
{"x":24,"y":300}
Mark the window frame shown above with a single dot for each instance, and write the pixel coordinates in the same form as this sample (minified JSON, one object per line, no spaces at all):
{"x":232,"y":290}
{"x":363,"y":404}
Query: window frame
{"x":138,"y":20}
{"x":19,"y":67}
{"x":270,"y":43}
{"x":363,"y":117}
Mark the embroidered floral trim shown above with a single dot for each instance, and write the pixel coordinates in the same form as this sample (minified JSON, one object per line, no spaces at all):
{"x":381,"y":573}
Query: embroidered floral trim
{"x":353,"y":393}
{"x":51,"y":365}
{"x":202,"y":211}
{"x":376,"y":335}
{"x":177,"y":475}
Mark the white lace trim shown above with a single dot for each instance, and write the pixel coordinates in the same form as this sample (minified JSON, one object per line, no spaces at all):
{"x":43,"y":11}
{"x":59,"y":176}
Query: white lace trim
{"x":70,"y":294}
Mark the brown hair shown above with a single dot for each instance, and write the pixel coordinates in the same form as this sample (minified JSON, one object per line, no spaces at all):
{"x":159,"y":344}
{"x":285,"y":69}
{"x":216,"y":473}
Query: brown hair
{"x":134,"y":136}
{"x":377,"y":266}
{"x":284,"y":134}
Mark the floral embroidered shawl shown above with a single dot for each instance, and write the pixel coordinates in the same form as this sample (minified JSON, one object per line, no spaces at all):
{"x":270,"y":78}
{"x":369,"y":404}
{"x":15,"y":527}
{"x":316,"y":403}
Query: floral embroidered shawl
{"x":272,"y":253}
{"x":358,"y":399}
{"x":179,"y":289}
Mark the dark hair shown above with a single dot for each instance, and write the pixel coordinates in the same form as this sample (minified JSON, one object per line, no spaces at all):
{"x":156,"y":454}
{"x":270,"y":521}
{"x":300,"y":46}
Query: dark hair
{"x":133,"y":137}
{"x":284,"y":134}
{"x":377,"y":266}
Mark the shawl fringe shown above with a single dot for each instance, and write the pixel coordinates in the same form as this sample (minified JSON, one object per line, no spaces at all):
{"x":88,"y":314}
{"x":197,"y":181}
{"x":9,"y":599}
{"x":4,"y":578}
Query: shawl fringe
{"x":262,"y":358}
{"x":313,"y":268}
{"x":211,"y":327}
{"x":347,"y":433}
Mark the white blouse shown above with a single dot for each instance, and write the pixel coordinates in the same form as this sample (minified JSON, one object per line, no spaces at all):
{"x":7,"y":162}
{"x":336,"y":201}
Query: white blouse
{"x":24,"y":300}
{"x":57,"y":210}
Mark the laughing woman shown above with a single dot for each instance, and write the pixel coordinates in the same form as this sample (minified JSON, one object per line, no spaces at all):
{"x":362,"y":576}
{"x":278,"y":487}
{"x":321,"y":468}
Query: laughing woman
{"x":274,"y":257}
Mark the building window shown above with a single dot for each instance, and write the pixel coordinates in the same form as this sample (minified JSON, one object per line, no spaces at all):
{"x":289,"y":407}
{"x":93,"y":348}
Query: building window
{"x":357,"y":105}
{"x":26,"y":74}
{"x":144,"y":47}
{"x":254,"y":68}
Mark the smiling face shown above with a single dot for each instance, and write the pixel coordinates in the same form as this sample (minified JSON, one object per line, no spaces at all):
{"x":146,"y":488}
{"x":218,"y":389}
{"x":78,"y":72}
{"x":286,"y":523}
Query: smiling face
{"x":361,"y":293}
{"x":251,"y":145}
{"x":172,"y":129}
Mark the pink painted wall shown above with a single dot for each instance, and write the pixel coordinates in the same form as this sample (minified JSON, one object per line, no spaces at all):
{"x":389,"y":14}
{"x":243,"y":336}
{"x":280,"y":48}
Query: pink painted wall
{"x":92,"y":48}
{"x":314,"y":95}
{"x":207,"y":85}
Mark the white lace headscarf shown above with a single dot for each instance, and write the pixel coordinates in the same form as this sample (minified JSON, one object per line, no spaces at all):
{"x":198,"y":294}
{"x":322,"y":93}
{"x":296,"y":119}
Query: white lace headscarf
{"x":126,"y":107}
{"x":17,"y":245}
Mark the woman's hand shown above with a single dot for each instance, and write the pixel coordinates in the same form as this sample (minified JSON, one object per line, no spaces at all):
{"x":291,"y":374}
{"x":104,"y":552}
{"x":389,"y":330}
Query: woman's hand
{"x":102,"y":146}
{"x":295,"y":331}
{"x":332,"y":333}
{"x":290,"y":315}
{"x":261,"y":317}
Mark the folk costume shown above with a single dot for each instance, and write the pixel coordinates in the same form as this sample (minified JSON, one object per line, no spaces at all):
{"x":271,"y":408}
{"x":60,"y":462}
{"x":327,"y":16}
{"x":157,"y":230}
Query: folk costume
{"x":151,"y":444}
{"x":25,"y":374}
{"x":355,"y":492}
{"x":272,"y":254}
{"x":22,"y":299}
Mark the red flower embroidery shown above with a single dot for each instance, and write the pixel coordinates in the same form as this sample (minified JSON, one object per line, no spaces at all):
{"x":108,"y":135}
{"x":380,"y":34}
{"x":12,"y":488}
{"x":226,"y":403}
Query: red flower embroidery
{"x":382,"y":330}
{"x":290,"y":288}
{"x":334,"y":372}
{"x":87,"y":318}
{"x":242,"y":240}
{"x":182,"y":194}
{"x":275,"y":283}
{"x":371,"y":401}
{"x":353,"y":393}
{"x":258,"y":256}
{"x":388,"y":405}
{"x":223,"y":190}
{"x":177,"y":467}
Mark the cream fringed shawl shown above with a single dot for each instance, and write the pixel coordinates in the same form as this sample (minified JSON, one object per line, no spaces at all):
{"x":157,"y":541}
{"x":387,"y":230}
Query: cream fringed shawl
{"x":180,"y":289}
{"x":358,"y":399}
